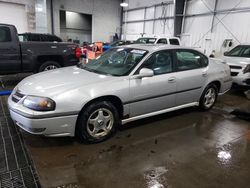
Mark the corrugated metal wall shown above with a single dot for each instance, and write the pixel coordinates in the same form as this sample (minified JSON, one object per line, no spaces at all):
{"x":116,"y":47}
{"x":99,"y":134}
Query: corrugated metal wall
{"x":204,"y":33}
{"x":206,"y":24}
{"x":148,"y":20}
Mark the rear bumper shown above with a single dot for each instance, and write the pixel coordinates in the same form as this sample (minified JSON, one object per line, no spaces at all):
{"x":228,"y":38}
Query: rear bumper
{"x":55,"y":126}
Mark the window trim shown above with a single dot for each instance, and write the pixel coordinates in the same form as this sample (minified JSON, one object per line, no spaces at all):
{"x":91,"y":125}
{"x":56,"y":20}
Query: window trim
{"x":190,"y":50}
{"x":136,"y":72}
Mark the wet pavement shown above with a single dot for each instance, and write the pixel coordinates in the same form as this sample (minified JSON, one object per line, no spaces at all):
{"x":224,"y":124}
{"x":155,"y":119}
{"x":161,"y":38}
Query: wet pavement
{"x":186,"y":148}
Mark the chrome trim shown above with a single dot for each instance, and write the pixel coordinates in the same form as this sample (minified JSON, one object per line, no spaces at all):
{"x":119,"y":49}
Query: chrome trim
{"x":159,"y":112}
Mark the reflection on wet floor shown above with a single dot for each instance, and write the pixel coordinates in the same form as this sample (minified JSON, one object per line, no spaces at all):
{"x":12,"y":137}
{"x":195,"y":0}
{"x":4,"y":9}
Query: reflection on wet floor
{"x":186,"y":148}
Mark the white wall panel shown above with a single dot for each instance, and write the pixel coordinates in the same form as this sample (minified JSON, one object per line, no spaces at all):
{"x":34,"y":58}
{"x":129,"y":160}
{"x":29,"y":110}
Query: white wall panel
{"x":198,"y":6}
{"x":134,"y":28}
{"x":165,"y":11}
{"x":201,"y":24}
{"x":159,"y":27}
{"x":135,"y":15}
{"x":150,"y":13}
{"x":14,"y":14}
{"x":143,"y":3}
{"x":229,"y":4}
{"x":149,"y":27}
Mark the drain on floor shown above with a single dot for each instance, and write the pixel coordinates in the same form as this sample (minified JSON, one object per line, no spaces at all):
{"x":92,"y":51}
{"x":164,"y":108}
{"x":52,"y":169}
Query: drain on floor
{"x":16,"y":167}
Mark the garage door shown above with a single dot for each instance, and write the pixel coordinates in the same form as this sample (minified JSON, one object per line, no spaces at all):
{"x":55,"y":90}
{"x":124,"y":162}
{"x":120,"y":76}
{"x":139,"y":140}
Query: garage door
{"x":14,"y":14}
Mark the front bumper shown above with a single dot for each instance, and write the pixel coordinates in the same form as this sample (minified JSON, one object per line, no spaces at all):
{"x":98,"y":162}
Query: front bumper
{"x":242,"y":80}
{"x":56,"y":126}
{"x":63,"y":125}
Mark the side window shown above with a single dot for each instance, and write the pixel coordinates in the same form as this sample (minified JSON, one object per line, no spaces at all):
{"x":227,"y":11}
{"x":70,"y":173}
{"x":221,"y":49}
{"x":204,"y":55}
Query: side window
{"x":187,"y":60}
{"x":44,"y":38}
{"x":5,"y":35}
{"x":160,"y":62}
{"x":35,"y":37}
{"x":246,"y":52}
{"x":162,"y":41}
{"x":174,"y":41}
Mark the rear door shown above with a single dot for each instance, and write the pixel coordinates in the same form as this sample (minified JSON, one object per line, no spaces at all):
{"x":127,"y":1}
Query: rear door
{"x":10,"y":57}
{"x":191,"y":75}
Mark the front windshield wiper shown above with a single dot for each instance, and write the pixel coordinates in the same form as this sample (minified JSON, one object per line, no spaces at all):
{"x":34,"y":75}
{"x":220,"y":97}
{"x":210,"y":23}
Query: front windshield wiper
{"x":92,"y":70}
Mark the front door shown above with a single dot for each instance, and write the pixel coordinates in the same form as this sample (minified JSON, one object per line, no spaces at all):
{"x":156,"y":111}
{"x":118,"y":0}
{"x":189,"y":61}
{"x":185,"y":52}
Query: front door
{"x":151,"y":94}
{"x":10,"y":59}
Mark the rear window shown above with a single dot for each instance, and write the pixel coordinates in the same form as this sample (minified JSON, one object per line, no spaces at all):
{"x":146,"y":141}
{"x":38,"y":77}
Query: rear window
{"x":5,"y":35}
{"x":174,"y":41}
{"x":145,"y":41}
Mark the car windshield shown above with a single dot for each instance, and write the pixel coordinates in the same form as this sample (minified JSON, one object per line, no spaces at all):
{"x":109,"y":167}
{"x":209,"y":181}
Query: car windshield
{"x":115,"y":62}
{"x":145,"y":41}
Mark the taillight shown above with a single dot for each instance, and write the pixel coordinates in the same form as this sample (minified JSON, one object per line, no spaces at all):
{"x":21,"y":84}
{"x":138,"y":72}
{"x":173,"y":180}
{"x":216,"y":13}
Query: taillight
{"x":78,"y":52}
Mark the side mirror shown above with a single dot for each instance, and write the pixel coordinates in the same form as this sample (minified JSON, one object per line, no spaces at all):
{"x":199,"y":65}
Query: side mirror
{"x":225,"y":53}
{"x":144,"y":72}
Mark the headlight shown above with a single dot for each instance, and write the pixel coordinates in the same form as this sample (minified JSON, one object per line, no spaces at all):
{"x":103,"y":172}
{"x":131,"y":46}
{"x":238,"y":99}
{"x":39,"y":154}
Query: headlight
{"x":247,"y":69}
{"x":39,"y":103}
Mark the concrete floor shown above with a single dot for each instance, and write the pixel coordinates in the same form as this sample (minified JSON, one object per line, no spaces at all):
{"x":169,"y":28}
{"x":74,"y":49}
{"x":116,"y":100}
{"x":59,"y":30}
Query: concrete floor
{"x":186,"y":148}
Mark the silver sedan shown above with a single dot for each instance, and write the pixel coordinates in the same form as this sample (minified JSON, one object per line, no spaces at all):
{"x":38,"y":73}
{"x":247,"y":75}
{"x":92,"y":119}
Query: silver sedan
{"x":122,"y":85}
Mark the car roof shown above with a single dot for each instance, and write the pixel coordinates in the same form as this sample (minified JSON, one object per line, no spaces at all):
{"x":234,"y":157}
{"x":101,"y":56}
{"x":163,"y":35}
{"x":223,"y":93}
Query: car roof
{"x":28,"y":33}
{"x":155,"y":47}
{"x":159,"y":37}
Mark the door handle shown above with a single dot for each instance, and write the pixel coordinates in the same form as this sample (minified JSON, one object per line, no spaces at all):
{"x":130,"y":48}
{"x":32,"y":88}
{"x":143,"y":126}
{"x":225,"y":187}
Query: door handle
{"x":171,"y":80}
{"x":53,"y":47}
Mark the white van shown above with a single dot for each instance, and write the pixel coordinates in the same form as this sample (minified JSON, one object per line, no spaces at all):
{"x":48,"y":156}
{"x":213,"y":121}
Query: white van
{"x":158,"y":40}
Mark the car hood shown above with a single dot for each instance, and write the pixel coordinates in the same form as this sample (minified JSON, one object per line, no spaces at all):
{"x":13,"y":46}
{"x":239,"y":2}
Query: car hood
{"x":55,"y":82}
{"x":241,"y":61}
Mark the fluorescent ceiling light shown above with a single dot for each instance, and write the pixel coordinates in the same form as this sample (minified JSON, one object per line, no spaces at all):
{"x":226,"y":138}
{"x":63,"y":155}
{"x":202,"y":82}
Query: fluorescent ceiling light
{"x":124,"y":4}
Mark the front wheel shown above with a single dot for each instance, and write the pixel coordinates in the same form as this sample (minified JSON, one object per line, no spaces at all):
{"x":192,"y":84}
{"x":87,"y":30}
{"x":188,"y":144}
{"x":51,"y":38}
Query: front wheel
{"x":97,"y":122}
{"x":208,"y":97}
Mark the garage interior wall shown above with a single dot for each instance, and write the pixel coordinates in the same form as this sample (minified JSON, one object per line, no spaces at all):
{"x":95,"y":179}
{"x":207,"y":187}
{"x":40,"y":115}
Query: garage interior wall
{"x":20,"y":13}
{"x":76,"y":27}
{"x":208,"y":23}
{"x":148,"y":18}
{"x":105,"y":16}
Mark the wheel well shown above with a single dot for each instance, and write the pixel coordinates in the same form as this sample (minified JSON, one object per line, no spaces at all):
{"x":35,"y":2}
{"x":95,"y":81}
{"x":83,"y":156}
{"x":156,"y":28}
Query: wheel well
{"x":43,"y":59}
{"x":217,"y":84}
{"x":116,"y":101}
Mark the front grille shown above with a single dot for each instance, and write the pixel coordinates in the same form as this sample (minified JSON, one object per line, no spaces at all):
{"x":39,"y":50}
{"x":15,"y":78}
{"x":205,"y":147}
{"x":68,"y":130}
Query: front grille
{"x":16,"y":97}
{"x":235,"y":67}
{"x":234,"y":73}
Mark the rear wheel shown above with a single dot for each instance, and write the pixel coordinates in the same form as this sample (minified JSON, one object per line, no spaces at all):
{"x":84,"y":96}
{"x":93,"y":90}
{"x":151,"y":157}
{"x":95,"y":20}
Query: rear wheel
{"x":49,"y":65}
{"x":208,"y":97}
{"x":97,"y":122}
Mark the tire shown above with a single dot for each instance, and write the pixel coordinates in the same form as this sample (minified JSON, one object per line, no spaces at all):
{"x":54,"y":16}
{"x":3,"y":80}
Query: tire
{"x":208,"y":97}
{"x":49,"y":65}
{"x":92,"y":121}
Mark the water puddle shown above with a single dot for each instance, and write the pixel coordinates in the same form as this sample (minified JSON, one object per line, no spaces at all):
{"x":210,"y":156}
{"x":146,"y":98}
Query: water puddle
{"x":154,"y":177}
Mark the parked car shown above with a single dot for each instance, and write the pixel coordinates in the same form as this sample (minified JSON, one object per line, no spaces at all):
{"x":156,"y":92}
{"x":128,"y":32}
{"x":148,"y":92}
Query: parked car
{"x":158,"y":40}
{"x":117,"y":43}
{"x":239,"y":61}
{"x":122,"y":85}
{"x":38,"y":37}
{"x":21,"y":57}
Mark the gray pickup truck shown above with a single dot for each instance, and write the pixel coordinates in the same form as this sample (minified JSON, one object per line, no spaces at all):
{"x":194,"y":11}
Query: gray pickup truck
{"x":24,"y":57}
